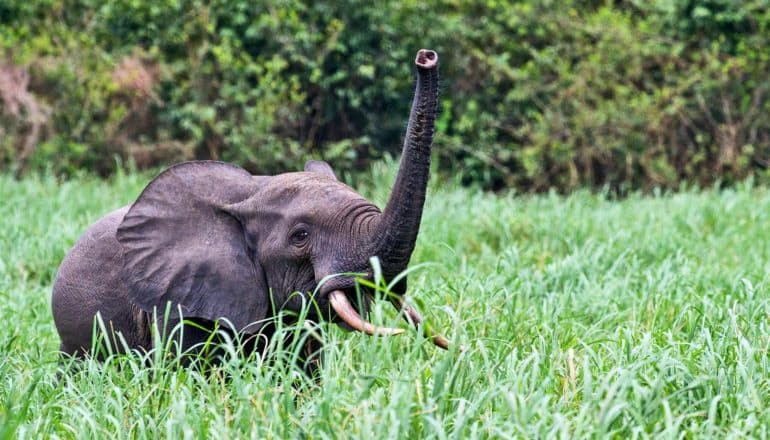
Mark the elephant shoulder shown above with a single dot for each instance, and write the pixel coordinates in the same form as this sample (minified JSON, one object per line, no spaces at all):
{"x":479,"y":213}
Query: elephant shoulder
{"x":100,"y":238}
{"x":88,"y":282}
{"x":95,"y":256}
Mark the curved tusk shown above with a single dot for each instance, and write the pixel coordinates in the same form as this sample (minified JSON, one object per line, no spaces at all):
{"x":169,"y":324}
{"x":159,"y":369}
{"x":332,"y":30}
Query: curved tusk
{"x":413,"y":317}
{"x":345,"y":310}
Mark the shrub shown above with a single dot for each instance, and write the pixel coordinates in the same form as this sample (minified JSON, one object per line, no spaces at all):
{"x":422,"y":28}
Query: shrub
{"x":535,"y":93}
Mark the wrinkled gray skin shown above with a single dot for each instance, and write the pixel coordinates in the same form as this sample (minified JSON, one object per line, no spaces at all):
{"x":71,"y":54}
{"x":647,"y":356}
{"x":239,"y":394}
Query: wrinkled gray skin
{"x":217,"y":242}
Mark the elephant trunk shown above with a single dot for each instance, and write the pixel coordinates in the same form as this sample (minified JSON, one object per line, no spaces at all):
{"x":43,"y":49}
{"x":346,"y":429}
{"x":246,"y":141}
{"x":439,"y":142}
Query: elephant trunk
{"x":396,"y":232}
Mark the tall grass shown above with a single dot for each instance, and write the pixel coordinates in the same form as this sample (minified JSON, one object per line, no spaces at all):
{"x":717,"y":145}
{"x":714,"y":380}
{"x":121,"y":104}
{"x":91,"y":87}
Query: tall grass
{"x":582,"y":316}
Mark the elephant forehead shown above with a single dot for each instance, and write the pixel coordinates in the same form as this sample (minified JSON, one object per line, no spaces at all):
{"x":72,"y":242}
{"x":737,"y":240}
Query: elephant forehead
{"x":310,"y":189}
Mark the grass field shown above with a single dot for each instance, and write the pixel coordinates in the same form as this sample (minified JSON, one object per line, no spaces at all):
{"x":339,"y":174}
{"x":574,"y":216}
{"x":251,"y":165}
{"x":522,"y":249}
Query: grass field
{"x":581,"y":316}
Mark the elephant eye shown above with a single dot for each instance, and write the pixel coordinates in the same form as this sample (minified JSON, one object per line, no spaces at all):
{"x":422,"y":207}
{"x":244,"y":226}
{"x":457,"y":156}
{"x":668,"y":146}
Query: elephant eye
{"x":299,"y":236}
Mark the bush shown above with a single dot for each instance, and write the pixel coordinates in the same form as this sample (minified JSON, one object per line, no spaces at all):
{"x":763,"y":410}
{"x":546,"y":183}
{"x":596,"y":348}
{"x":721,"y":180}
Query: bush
{"x":535,"y":93}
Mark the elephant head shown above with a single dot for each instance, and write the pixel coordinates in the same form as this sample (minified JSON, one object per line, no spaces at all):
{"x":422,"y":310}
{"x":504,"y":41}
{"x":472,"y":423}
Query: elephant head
{"x":221,"y":243}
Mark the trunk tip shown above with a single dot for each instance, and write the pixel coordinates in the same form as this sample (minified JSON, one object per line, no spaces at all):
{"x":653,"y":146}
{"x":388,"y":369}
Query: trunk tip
{"x":426,"y":59}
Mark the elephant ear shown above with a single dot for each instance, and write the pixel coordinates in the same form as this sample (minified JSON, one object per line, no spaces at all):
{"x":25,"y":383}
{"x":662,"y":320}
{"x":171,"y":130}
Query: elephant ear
{"x":180,"y":246}
{"x":320,"y":167}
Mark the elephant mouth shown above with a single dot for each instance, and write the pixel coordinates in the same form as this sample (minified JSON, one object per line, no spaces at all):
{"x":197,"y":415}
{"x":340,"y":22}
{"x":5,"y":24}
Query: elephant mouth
{"x":339,"y":301}
{"x":342,"y":293}
{"x":341,"y":298}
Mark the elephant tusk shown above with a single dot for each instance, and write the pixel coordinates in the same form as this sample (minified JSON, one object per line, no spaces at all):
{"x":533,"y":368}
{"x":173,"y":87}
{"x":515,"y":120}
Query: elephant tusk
{"x":413,"y":317}
{"x":340,"y":303}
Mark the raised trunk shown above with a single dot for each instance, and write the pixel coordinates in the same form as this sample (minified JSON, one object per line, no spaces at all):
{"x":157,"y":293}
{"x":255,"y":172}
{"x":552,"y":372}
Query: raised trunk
{"x":396,"y":232}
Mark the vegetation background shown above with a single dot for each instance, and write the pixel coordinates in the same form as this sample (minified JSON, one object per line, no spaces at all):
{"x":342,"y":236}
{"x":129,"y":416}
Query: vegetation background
{"x":536,"y":94}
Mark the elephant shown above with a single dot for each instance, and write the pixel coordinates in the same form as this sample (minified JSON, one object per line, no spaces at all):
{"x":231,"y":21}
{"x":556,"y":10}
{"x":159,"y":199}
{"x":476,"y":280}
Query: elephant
{"x":227,"y":249}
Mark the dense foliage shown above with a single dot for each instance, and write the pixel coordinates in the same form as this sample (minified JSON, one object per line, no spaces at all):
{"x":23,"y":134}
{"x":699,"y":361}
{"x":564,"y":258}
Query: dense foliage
{"x":582,"y":318}
{"x":536,"y":93}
